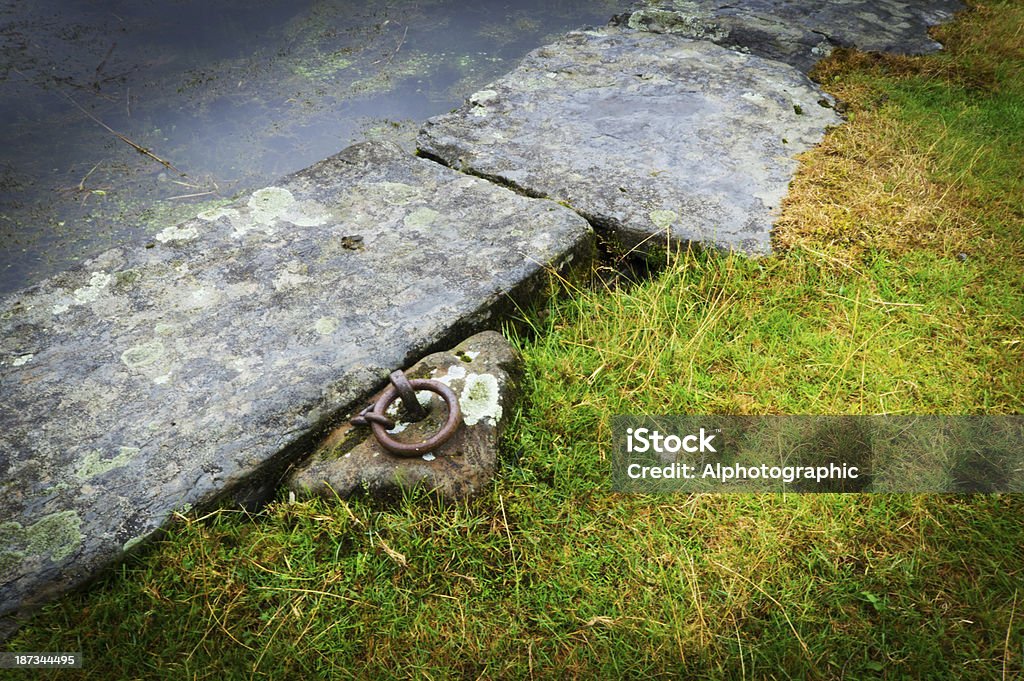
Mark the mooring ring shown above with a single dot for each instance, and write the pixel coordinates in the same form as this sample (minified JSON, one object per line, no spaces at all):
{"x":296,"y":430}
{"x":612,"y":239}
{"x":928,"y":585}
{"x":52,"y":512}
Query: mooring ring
{"x":413,"y":409}
{"x":451,"y":400}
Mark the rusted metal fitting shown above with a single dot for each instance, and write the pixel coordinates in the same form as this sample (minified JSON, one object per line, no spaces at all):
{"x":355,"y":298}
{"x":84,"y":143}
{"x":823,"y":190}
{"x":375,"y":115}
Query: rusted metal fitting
{"x":404,"y":388}
{"x":413,"y":408}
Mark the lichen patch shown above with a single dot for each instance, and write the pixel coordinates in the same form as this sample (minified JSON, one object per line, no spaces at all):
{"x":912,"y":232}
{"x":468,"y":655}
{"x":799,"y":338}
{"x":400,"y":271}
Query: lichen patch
{"x":91,"y":291}
{"x":454,"y":372}
{"x":56,"y":535}
{"x":325,"y":326}
{"x":483,"y":97}
{"x":215,"y":214}
{"x":398,"y":193}
{"x":142,"y":355}
{"x":184,"y":232}
{"x":93,"y":463}
{"x":663,"y":219}
{"x":270,"y":204}
{"x":480,"y":399}
{"x":421,"y":217}
{"x":292,"y":275}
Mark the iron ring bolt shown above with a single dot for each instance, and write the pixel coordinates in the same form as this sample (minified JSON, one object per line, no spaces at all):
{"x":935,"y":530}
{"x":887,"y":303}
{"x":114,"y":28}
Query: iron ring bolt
{"x":368,"y":416}
{"x":413,"y":409}
{"x":439,"y":438}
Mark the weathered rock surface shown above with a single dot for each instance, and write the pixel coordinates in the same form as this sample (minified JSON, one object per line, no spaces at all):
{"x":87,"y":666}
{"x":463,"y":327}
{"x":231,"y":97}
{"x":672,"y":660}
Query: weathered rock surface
{"x":798,"y":33}
{"x":159,"y":378}
{"x":485,"y":372}
{"x":646,"y":135}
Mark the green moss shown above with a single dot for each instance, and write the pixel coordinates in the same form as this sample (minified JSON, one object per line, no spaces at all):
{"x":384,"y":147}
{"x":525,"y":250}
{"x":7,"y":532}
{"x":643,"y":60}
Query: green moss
{"x":10,"y":560}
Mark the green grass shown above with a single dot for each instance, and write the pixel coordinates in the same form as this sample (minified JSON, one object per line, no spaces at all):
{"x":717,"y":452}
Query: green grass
{"x":868,"y":309}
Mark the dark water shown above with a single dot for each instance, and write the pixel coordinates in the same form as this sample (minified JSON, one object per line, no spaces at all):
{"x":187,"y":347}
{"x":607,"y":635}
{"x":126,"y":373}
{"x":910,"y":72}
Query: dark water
{"x":225,"y":96}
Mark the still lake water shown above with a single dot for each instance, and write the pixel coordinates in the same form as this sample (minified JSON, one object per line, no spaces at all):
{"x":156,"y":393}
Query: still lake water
{"x":229,"y":95}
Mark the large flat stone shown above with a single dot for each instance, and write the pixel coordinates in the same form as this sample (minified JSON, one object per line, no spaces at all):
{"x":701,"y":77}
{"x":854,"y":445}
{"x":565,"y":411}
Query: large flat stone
{"x":798,"y":33}
{"x":159,"y":378}
{"x":649,"y":136}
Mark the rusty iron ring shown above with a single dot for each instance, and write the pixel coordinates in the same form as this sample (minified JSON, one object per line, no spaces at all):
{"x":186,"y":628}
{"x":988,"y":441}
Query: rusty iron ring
{"x":368,"y":416}
{"x":438,"y":439}
{"x":413,"y":409}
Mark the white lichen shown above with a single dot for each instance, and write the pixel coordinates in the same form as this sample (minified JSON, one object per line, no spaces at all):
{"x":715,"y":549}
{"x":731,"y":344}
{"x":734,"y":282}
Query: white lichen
{"x":421,"y":217}
{"x":270,"y":204}
{"x":204,"y":297}
{"x":663,"y":219}
{"x":91,"y":291}
{"x":480,"y":399}
{"x":83,"y":295}
{"x":483,"y":97}
{"x":24,"y":359}
{"x":142,"y":355}
{"x":184,"y":232}
{"x":454,"y":372}
{"x":398,"y":193}
{"x":325,"y":326}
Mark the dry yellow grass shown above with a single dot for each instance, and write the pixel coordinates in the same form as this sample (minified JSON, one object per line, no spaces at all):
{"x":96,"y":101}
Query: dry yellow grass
{"x":878,"y":182}
{"x":859,"y":191}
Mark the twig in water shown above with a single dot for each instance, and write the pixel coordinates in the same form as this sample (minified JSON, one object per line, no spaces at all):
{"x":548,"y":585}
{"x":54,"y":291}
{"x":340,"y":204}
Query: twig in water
{"x":397,"y":48}
{"x":81,"y":184}
{"x":102,"y":64}
{"x":137,"y":147}
{"x":188,"y":196}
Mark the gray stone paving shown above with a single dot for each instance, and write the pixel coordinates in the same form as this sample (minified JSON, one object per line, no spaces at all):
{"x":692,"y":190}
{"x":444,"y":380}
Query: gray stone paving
{"x":156,"y":379}
{"x":651,"y":137}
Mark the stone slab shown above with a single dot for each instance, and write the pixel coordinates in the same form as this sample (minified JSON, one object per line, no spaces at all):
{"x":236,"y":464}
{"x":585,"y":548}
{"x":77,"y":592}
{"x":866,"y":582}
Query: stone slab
{"x":162,"y":377}
{"x":648,"y":136}
{"x":798,"y":33}
{"x":485,"y":372}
